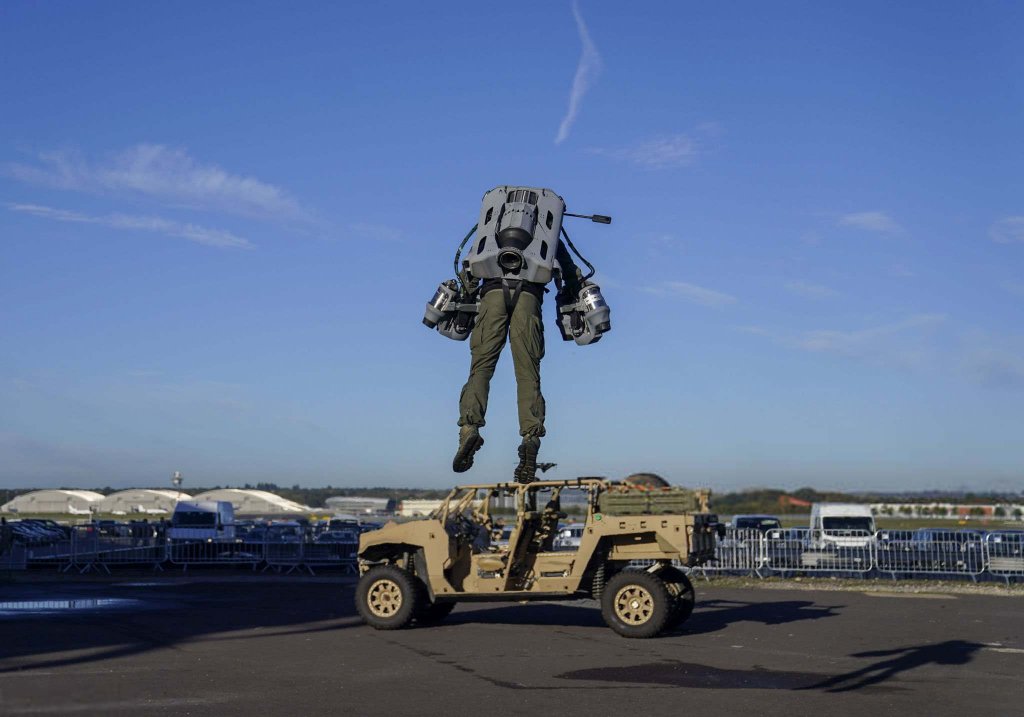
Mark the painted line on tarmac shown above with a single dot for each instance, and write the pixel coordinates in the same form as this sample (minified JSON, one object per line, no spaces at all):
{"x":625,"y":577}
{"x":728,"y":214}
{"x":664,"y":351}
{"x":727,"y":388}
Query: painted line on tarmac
{"x":998,"y":647}
{"x":921,"y":596}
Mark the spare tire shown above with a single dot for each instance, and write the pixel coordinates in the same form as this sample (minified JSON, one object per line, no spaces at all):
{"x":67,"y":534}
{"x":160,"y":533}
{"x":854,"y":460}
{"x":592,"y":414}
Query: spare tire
{"x":646,"y":480}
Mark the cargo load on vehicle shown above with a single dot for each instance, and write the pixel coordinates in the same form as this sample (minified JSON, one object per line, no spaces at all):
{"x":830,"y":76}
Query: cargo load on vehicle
{"x":639,"y":500}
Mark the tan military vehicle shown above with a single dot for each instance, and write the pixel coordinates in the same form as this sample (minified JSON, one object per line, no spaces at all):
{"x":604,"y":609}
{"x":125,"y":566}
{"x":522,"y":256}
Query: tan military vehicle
{"x":633,"y":543}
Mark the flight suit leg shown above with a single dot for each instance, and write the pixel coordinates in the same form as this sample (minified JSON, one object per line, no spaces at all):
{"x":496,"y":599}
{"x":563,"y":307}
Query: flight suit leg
{"x":485,"y":345}
{"x":526,"y":334}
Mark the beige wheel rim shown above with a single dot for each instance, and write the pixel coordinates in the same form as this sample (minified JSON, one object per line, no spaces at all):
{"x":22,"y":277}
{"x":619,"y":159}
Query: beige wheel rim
{"x":634,"y":605}
{"x":384,"y":598}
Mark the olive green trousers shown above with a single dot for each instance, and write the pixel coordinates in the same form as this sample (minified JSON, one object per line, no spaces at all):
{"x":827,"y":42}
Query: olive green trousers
{"x":525,"y":331}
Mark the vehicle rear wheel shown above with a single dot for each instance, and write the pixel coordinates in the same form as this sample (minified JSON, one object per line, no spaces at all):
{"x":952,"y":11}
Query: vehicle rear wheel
{"x":636,"y":604}
{"x":387,"y":597}
{"x":684,"y":599}
{"x":432,"y":613}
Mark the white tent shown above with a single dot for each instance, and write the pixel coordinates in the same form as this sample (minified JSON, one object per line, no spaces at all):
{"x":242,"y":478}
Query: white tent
{"x":254,"y":502}
{"x":146,"y":501}
{"x":53,"y":501}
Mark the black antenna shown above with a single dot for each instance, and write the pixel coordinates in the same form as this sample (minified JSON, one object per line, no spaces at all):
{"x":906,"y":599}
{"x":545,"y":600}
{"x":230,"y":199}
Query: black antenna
{"x":598,"y":218}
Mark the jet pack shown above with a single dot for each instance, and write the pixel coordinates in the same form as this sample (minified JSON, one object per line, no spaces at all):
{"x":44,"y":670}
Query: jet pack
{"x":518,"y":238}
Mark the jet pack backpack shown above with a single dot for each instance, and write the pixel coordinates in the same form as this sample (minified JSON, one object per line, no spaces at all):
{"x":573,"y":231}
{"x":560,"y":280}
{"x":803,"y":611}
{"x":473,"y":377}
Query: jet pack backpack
{"x":517,"y":239}
{"x":517,"y":235}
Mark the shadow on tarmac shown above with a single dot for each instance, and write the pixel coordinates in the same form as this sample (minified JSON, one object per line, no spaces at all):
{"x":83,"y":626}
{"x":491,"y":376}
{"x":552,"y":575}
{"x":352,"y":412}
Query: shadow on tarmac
{"x":710,"y":615}
{"x":901,"y":659}
{"x":671,"y":673}
{"x":163,"y":617}
{"x":715,"y":615}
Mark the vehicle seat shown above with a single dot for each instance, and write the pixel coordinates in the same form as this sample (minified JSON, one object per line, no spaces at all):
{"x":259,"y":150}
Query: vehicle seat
{"x":491,"y":563}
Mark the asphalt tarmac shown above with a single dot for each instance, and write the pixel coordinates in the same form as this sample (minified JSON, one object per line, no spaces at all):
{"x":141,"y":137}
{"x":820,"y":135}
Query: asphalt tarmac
{"x":292,"y":646}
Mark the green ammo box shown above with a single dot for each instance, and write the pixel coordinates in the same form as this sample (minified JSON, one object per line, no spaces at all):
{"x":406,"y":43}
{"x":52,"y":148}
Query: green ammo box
{"x":632,"y":502}
{"x":673,"y":500}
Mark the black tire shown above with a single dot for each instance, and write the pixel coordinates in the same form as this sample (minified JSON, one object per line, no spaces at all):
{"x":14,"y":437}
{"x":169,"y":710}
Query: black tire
{"x":684,"y":598}
{"x":433,"y":613}
{"x":387,"y":597}
{"x":636,"y":604}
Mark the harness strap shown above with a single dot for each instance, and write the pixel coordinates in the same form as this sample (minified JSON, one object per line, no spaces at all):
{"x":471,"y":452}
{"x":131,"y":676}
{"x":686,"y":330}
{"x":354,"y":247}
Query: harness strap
{"x":511,"y":296}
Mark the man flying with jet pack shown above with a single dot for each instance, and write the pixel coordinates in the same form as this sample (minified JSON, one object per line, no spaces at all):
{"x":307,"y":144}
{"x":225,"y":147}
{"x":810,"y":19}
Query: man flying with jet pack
{"x":497,"y":295}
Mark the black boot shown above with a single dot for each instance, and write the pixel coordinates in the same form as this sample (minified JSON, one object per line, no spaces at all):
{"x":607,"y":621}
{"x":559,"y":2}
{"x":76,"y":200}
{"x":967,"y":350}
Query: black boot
{"x":470,"y":441}
{"x":526,"y":471}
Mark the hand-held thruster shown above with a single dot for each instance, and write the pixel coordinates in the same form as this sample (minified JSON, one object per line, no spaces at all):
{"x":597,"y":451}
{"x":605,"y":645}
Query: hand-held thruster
{"x":585,"y":320}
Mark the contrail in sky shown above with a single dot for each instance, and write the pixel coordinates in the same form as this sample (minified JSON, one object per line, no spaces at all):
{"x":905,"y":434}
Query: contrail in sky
{"x":586,"y":73}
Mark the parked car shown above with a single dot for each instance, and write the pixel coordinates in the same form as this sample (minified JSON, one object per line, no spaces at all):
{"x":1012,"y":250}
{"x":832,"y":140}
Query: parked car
{"x":338,"y":536}
{"x":841,"y":525}
{"x":36,"y":532}
{"x":760,"y":523}
{"x":569,"y":536}
{"x":207,"y":520}
{"x":285,"y":532}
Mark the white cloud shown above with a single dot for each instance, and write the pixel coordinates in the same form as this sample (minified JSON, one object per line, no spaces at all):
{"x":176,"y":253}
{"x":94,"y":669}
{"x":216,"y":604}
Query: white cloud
{"x":167,"y":175}
{"x":1009,"y":230}
{"x":664,"y":152}
{"x":192,"y":232}
{"x":587,"y":71}
{"x":810,"y":291}
{"x":901,"y":343}
{"x":863,"y":341}
{"x":693,"y":293}
{"x":879,"y":222}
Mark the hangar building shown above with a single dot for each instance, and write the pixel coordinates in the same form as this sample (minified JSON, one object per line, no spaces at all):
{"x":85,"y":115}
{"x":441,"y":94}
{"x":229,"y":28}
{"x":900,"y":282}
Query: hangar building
{"x":417,"y":508}
{"x":356,"y":505}
{"x":254,"y":502}
{"x":75,"y":502}
{"x":147,"y":501}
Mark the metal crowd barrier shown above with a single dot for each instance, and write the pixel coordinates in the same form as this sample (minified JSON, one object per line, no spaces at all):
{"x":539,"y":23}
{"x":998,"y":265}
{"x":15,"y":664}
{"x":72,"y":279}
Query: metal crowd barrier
{"x":90,"y":548}
{"x":139,"y":545}
{"x":330,"y":555}
{"x":945,"y":553}
{"x":291,"y":556}
{"x":740,"y":551}
{"x":13,"y":557}
{"x":189,"y":553}
{"x":1004,"y":550}
{"x":894,"y":552}
{"x":819,"y":552}
{"x":926,"y":553}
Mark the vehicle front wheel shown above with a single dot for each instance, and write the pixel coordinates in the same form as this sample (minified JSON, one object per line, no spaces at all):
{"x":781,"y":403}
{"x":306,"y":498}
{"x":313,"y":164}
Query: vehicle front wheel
{"x":387,"y":597}
{"x":636,"y":604}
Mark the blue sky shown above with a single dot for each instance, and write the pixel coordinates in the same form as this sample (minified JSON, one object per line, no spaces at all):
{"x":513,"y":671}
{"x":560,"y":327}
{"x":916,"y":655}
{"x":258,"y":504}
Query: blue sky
{"x":219,"y":224}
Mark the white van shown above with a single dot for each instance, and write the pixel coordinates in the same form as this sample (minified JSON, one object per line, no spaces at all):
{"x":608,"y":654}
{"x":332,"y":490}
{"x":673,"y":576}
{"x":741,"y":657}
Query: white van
{"x":841,"y":525}
{"x":207,"y":520}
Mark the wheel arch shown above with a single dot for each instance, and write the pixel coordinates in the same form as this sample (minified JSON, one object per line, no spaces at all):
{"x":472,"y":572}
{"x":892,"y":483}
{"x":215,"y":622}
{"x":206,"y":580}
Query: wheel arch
{"x":384,"y":551}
